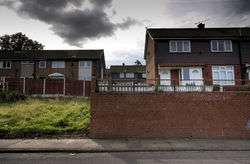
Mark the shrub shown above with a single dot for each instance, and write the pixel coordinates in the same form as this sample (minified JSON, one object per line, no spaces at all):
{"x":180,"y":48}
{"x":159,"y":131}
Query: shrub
{"x":11,"y":96}
{"x":245,"y":87}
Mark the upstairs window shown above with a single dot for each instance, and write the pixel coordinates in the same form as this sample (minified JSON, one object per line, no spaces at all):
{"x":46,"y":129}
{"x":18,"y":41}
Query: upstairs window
{"x":179,"y":46}
{"x":42,"y":64}
{"x":5,"y":64}
{"x":58,"y":64}
{"x":221,"y":46}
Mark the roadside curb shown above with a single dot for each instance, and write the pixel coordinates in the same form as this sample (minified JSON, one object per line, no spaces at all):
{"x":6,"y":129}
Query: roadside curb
{"x":108,"y":150}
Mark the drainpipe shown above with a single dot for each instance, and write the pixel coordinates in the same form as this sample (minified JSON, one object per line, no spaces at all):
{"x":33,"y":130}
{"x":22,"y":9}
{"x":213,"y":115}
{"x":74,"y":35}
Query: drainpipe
{"x":242,"y":75}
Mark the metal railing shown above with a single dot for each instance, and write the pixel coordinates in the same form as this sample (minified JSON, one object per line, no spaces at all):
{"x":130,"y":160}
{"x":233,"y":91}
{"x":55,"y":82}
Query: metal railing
{"x":167,"y":85}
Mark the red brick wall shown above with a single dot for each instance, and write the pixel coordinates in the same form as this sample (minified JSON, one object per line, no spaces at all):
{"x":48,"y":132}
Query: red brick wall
{"x":152,"y":73}
{"x":170,"y":115}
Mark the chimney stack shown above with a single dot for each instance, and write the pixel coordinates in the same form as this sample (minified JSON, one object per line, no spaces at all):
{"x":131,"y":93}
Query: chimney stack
{"x":201,"y":25}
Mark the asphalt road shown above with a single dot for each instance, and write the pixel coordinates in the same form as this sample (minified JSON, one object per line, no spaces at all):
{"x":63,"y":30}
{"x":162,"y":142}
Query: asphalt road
{"x":177,"y":157}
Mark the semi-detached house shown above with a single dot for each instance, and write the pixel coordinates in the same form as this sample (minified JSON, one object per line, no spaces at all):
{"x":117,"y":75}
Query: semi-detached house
{"x":197,"y":56}
{"x":69,"y":64}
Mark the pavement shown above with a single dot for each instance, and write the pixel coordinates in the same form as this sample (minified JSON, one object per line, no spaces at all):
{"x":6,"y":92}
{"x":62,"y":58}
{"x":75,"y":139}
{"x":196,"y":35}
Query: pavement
{"x":130,"y":145}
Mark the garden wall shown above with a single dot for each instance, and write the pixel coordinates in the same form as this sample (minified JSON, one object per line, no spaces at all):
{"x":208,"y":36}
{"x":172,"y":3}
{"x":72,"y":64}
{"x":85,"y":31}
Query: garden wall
{"x":170,"y":115}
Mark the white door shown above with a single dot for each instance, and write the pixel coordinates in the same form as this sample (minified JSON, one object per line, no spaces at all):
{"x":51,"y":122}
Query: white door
{"x":165,"y":77}
{"x":85,"y":70}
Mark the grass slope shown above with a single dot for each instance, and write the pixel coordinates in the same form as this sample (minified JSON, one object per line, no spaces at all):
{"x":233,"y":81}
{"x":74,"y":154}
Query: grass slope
{"x":44,"y":116}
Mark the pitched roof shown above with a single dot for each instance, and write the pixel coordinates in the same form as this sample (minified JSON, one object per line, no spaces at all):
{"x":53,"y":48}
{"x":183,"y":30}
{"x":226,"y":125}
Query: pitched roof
{"x":52,"y":54}
{"x":128,"y":68}
{"x":197,"y":33}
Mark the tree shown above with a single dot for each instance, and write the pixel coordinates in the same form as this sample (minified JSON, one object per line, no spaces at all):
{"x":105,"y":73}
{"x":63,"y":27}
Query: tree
{"x":18,"y":42}
{"x":137,"y":62}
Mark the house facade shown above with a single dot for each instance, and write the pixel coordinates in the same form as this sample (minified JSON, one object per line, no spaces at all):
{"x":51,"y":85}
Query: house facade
{"x":127,"y":72}
{"x":69,"y":64}
{"x":198,"y":56}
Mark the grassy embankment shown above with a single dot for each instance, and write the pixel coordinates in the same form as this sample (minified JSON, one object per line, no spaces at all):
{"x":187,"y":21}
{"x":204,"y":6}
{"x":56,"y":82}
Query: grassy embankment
{"x":37,"y":117}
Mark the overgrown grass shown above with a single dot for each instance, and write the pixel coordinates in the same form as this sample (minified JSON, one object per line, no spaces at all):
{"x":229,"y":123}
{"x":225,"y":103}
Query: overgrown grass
{"x":44,"y":116}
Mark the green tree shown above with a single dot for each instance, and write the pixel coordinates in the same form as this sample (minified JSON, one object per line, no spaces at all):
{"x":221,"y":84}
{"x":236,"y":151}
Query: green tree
{"x":18,"y":42}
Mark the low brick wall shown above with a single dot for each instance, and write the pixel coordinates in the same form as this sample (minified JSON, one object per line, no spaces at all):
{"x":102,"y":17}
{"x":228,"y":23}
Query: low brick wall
{"x":170,"y":115}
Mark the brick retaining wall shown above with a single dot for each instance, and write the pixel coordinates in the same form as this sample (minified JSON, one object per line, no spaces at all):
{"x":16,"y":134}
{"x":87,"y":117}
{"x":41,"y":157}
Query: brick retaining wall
{"x":170,"y":115}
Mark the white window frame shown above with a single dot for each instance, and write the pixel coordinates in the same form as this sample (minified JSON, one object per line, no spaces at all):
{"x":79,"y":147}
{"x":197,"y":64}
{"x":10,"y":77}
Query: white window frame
{"x":248,"y":73}
{"x":5,"y":63}
{"x":42,"y":66}
{"x":55,"y":64}
{"x":122,"y":75}
{"x":183,"y":47}
{"x":130,"y":75}
{"x":85,"y":70}
{"x":219,"y":70}
{"x":198,"y":82}
{"x":1,"y":64}
{"x":217,"y":46}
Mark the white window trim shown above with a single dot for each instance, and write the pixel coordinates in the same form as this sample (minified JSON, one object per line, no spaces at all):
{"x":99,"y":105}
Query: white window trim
{"x":217,"y":44}
{"x":130,"y":75}
{"x":248,"y":73}
{"x":52,"y":66}
{"x":175,"y":41}
{"x":85,"y":67}
{"x":220,"y":81}
{"x":45,"y":64}
{"x":1,"y":64}
{"x":190,"y":80}
{"x":6,"y":67}
{"x":122,"y":75}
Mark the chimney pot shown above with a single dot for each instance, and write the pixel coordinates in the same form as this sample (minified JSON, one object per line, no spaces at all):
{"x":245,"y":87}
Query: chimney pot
{"x":201,"y":26}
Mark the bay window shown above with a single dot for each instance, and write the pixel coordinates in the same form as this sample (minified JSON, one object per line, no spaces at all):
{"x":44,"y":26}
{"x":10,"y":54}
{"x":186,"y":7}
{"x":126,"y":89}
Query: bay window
{"x":223,"y":75}
{"x":191,"y":76}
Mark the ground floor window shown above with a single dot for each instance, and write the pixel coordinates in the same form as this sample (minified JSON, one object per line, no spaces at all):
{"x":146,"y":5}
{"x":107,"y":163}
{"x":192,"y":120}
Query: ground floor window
{"x":165,"y":77}
{"x":191,"y":76}
{"x":130,"y":75}
{"x":223,"y":75}
{"x":248,"y":73}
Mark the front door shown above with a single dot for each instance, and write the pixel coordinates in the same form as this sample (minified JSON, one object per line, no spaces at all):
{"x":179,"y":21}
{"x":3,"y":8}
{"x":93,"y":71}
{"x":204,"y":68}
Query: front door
{"x":85,"y":70}
{"x":27,"y":69}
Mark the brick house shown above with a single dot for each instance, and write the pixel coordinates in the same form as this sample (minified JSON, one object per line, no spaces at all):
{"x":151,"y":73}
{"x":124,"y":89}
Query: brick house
{"x":197,"y":56}
{"x":127,"y":72}
{"x":69,"y":64}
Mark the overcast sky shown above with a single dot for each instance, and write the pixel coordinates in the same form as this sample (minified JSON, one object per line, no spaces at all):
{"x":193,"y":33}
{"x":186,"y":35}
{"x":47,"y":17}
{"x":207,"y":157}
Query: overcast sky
{"x":117,"y":26}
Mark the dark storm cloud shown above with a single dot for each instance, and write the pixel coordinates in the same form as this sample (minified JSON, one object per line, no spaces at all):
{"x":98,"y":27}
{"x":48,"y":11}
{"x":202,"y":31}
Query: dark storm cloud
{"x":240,"y":7}
{"x":219,"y":12}
{"x":69,"y":20}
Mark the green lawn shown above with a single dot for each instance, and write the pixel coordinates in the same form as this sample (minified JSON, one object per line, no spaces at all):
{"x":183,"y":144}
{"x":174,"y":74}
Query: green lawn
{"x":44,"y":116}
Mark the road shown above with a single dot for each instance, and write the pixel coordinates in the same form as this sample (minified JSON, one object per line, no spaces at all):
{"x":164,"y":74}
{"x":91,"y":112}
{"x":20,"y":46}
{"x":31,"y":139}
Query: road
{"x":176,"y":157}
